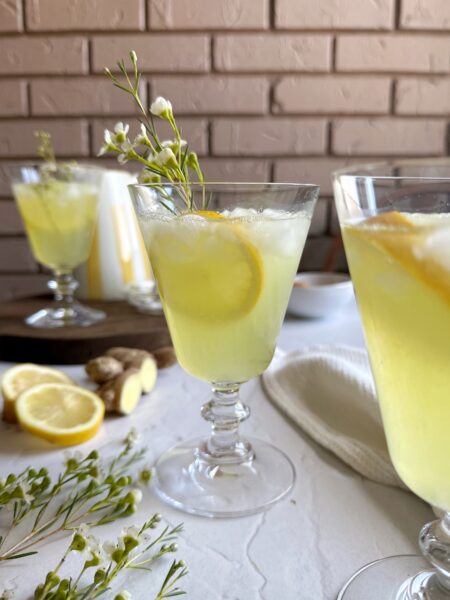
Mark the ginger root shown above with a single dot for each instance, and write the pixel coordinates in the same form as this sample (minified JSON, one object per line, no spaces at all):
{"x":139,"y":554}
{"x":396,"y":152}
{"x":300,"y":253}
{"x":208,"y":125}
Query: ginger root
{"x":122,"y":394}
{"x":165,"y":357}
{"x":124,"y":374}
{"x":148,"y":371}
{"x":104,"y":368}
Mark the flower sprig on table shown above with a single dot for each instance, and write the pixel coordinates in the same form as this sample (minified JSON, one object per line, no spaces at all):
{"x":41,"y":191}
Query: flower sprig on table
{"x":161,"y":160}
{"x":86,"y":490}
{"x":134,"y":549}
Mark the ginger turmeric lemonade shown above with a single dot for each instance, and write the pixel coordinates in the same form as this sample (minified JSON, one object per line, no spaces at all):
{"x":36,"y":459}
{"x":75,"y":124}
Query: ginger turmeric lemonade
{"x":224,"y":257}
{"x":400,"y":265}
{"x":59,"y":219}
{"x":225,"y":280}
{"x":58,"y":204}
{"x":395,"y":222}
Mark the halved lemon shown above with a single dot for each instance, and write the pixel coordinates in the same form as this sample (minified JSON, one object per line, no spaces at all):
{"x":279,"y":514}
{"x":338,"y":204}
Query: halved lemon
{"x":211,"y":272}
{"x":60,"y":413}
{"x":22,"y":377}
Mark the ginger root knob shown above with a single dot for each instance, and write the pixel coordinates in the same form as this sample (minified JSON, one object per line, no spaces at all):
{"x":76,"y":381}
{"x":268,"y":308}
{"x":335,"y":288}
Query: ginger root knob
{"x":103,"y":368}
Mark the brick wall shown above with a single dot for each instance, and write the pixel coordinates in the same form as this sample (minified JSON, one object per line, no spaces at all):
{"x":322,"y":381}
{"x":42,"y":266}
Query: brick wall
{"x":281,"y":90}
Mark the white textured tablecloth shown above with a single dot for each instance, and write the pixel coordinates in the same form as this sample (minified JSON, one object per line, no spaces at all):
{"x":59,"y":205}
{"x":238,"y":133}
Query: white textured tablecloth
{"x":303,"y":549}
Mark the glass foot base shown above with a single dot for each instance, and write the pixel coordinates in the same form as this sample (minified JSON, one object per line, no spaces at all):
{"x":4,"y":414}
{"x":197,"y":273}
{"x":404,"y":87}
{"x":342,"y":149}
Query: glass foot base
{"x":393,"y":578}
{"x":191,"y":484}
{"x":75,"y":315}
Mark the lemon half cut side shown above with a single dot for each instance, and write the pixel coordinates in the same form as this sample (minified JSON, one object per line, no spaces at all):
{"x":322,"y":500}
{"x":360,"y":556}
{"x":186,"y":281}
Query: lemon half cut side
{"x":22,"y":377}
{"x":60,"y":413}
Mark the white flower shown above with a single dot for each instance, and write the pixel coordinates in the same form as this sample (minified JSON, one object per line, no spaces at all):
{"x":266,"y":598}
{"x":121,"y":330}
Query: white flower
{"x":121,"y":128}
{"x":122,"y":159}
{"x":136,"y":494}
{"x":8,"y":592}
{"x":132,"y":437}
{"x":109,"y":143}
{"x":108,"y":549}
{"x":142,"y":138}
{"x":161,"y":107}
{"x":131,"y":532}
{"x":166,"y":157}
{"x":72,"y":456}
{"x":173,"y":144}
{"x":23,"y":488}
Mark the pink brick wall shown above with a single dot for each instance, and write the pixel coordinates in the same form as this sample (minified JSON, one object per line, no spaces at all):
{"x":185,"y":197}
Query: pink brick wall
{"x":281,"y":90}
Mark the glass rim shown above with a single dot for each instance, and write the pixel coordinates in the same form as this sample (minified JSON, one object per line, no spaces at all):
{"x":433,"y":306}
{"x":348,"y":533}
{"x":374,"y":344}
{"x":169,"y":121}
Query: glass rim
{"x":353,"y":170}
{"x":221,"y":185}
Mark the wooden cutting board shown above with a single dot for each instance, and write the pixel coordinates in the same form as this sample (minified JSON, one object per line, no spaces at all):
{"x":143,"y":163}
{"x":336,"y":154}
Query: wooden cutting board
{"x":123,"y":326}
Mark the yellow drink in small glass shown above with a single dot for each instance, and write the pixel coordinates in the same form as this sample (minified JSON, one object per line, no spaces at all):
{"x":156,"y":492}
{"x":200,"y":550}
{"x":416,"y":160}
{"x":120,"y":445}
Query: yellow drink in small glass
{"x":400,"y":266}
{"x":225,"y":280}
{"x":59,"y":219}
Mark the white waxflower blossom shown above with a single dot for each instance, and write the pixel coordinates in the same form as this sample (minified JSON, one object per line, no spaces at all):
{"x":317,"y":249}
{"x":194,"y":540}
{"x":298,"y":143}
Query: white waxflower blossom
{"x":161,"y":107}
{"x":132,"y":437}
{"x":109,"y":143}
{"x":24,"y":488}
{"x":173,"y":144}
{"x":72,"y":456}
{"x":121,"y":128}
{"x":132,"y":532}
{"x":142,"y":137}
{"x":136,"y":494}
{"x":120,"y":132}
{"x":7,"y":593}
{"x":166,"y":157}
{"x":108,"y":549}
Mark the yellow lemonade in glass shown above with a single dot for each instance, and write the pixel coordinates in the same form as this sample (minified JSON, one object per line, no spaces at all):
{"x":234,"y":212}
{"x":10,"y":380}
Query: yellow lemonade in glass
{"x":400,"y":266}
{"x":225,"y":280}
{"x":59,"y":219}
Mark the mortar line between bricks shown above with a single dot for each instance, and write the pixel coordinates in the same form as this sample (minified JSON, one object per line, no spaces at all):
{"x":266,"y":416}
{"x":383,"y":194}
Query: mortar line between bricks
{"x":278,"y":31}
{"x":397,"y":14}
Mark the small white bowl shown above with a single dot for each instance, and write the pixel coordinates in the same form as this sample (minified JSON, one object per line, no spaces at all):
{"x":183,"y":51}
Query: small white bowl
{"x":317,"y":295}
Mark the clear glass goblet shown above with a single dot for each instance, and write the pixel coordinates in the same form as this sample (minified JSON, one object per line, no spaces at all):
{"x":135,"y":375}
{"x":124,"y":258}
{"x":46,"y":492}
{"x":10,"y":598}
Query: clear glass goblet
{"x":224,"y":257}
{"x":395,"y":221}
{"x":58,"y":207}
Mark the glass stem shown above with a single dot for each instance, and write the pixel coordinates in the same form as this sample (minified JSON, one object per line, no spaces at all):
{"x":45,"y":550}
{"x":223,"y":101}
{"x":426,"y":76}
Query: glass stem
{"x":434,"y":541}
{"x":225,"y":411}
{"x":63,"y":285}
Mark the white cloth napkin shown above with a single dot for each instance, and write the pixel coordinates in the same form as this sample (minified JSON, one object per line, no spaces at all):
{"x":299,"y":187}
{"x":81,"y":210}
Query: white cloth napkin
{"x":328,"y":391}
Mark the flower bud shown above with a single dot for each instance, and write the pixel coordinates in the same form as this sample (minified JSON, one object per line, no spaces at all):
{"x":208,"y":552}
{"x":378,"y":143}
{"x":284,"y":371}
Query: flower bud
{"x":161,"y":108}
{"x":123,"y":595}
{"x":99,"y":575}
{"x":78,"y":543}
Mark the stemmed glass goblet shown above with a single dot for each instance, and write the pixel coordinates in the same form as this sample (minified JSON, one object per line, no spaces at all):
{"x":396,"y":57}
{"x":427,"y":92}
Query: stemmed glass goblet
{"x":58,"y":207}
{"x":395,"y":221}
{"x":224,"y":265}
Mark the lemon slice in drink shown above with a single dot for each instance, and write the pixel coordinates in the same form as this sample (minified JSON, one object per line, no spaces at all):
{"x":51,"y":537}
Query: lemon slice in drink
{"x":60,"y":413}
{"x":406,"y":238}
{"x":207,"y":268}
{"x":22,"y":377}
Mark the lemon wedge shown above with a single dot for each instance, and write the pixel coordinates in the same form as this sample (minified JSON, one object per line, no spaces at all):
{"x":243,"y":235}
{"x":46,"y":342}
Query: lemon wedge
{"x":210,"y":272}
{"x":60,"y":413}
{"x":22,"y":377}
{"x":406,"y":240}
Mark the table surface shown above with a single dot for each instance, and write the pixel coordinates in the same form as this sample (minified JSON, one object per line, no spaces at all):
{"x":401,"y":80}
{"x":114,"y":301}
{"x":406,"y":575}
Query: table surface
{"x":304,"y":548}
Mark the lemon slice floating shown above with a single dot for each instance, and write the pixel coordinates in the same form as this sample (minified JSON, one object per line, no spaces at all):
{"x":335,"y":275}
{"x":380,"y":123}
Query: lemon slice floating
{"x":22,"y":377}
{"x":209,"y":271}
{"x":60,"y":413}
{"x":406,"y":238}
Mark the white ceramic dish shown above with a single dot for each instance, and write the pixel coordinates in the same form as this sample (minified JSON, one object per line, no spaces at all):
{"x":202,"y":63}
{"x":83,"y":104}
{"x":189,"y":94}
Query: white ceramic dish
{"x":318,"y":295}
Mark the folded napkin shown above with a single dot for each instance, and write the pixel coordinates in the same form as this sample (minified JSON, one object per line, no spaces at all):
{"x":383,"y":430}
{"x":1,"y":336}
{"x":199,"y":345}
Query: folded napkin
{"x":328,"y":391}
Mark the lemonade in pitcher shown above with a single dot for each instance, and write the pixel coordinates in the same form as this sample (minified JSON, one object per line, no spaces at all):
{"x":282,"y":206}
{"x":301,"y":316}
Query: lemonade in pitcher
{"x":400,"y":265}
{"x":225,"y":280}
